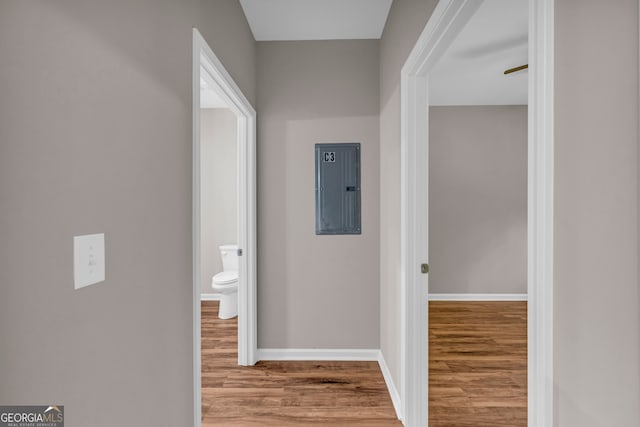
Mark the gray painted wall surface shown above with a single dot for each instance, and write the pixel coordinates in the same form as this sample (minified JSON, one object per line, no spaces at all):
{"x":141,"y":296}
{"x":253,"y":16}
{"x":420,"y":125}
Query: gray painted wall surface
{"x":117,"y":88}
{"x":95,"y":136}
{"x":596,"y":316}
{"x":406,"y":21}
{"x":478,"y":199}
{"x":218,"y":189}
{"x":315,"y":291}
{"x":596,"y":313}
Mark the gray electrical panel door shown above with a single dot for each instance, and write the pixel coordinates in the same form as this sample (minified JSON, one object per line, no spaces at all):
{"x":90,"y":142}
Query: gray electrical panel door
{"x":338,"y":188}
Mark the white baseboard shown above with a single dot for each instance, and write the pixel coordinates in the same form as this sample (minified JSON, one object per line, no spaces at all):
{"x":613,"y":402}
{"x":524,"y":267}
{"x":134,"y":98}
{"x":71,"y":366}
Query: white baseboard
{"x":393,"y":391}
{"x":209,"y":297}
{"x":477,"y":297}
{"x":365,"y":355}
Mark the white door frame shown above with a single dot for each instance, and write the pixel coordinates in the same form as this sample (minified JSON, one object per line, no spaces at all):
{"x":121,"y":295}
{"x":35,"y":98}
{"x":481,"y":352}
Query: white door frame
{"x":205,"y":59}
{"x":448,"y":18}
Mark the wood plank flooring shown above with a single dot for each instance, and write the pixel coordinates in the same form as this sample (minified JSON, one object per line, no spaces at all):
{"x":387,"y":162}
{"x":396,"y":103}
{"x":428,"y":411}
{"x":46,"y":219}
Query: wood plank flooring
{"x":285,"y":393}
{"x":477,"y":364}
{"x":477,"y":372}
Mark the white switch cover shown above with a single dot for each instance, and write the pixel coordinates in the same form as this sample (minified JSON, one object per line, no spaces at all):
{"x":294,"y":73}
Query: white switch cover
{"x":88,"y":260}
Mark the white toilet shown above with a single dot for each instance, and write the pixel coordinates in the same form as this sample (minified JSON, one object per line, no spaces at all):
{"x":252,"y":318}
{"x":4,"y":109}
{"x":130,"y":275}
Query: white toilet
{"x":225,"y":283}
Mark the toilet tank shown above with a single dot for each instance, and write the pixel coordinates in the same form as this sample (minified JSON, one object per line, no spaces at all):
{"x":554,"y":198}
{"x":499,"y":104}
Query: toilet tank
{"x":229,"y":254}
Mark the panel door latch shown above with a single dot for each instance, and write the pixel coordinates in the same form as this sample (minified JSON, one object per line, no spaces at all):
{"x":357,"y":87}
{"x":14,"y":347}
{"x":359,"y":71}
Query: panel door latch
{"x":424,"y":268}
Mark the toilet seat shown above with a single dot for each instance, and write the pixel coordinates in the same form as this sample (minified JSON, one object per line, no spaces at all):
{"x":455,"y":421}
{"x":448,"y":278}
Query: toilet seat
{"x":225,"y":284}
{"x":225,"y":278}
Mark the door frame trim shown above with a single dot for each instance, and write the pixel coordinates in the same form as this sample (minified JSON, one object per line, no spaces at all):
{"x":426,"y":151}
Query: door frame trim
{"x":203,"y":57}
{"x":447,"y":20}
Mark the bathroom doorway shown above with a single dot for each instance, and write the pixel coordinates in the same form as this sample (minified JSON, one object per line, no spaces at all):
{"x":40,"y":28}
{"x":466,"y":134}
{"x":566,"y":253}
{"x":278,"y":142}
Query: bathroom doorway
{"x":224,"y":208}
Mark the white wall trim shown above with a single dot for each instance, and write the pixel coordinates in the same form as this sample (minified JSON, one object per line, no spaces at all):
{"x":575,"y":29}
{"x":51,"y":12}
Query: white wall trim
{"x":204,"y":59}
{"x":540,"y":213}
{"x":477,"y":297}
{"x":388,"y":379}
{"x":359,"y":355}
{"x":448,"y":18}
{"x":210,"y":297}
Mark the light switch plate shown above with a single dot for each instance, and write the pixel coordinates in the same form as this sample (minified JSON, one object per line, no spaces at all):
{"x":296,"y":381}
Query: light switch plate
{"x":88,"y":260}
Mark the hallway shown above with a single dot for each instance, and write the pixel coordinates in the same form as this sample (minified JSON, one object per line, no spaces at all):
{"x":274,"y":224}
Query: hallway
{"x":285,"y":393}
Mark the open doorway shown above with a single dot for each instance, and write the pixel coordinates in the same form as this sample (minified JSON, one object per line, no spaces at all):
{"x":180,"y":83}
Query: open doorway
{"x":478,"y":221}
{"x":224,"y":213}
{"x":447,"y":21}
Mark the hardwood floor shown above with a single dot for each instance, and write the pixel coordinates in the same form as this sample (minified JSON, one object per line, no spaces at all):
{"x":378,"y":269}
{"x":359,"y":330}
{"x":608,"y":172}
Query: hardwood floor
{"x":477,"y":376}
{"x":477,"y":364}
{"x":285,"y":393}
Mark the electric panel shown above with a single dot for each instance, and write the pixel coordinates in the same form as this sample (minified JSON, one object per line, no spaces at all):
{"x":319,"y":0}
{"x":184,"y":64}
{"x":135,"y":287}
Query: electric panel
{"x":338,"y":188}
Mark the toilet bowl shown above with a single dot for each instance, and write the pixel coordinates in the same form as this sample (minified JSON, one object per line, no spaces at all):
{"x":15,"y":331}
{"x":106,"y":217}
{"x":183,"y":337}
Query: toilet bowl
{"x":225,"y":283}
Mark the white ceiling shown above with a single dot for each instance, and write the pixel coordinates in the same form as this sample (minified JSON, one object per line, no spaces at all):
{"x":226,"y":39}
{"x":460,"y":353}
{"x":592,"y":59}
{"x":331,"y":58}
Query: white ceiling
{"x":316,"y":19}
{"x":469,"y":73}
{"x":471,"y":70}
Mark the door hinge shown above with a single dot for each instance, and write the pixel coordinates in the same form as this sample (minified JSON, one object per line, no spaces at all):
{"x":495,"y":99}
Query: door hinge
{"x":424,"y":268}
{"x":239,"y":252}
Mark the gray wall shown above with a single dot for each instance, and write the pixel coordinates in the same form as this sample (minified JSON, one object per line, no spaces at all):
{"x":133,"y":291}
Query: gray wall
{"x":95,"y":136}
{"x":110,"y":83}
{"x":596,"y":317}
{"x":406,"y":21}
{"x":478,"y":199}
{"x":315,"y":291}
{"x":218,"y":189}
{"x":597,"y":306}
